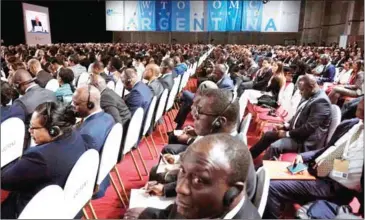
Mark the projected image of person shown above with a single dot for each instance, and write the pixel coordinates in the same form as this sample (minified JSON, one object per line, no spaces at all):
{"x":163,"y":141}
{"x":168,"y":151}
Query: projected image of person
{"x":36,"y":24}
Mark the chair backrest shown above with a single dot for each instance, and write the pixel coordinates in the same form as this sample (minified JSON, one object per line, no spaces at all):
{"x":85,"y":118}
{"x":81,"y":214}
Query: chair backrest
{"x":80,"y":183}
{"x":184,"y":80}
{"x":262,"y":190}
{"x":288,"y":94}
{"x":52,"y":85}
{"x":336,"y":120}
{"x":243,"y":104}
{"x":48,"y":203}
{"x":294,"y":102}
{"x":119,"y":87}
{"x":111,"y":85}
{"x":161,"y":105}
{"x":12,"y":140}
{"x":134,"y":130}
{"x":173,"y":92}
{"x":245,"y":124}
{"x":109,"y":154}
{"x":151,"y":110}
{"x":83,"y":79}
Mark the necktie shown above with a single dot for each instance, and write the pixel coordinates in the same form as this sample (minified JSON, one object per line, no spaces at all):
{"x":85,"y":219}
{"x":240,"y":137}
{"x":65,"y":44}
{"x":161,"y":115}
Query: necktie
{"x":296,"y":116}
{"x":325,"y":165}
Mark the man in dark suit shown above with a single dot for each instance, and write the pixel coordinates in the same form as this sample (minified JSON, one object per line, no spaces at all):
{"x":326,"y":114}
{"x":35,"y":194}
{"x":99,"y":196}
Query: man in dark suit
{"x":42,"y":77}
{"x":261,"y":79}
{"x":214,"y":111}
{"x":167,"y":79}
{"x":329,"y":70}
{"x":111,"y":103}
{"x":151,"y":74}
{"x":95,"y":125}
{"x":98,"y":69}
{"x":327,"y":186}
{"x":140,"y":95}
{"x":308,"y":128}
{"x":206,"y":186}
{"x":32,"y":96}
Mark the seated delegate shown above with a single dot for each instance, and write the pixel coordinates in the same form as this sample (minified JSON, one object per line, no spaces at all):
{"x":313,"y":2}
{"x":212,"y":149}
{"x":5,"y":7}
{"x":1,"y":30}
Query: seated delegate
{"x":49,"y":162}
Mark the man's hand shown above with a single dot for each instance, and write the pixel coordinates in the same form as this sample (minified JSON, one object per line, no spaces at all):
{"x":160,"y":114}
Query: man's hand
{"x":156,"y":190}
{"x":133,"y":213}
{"x":169,"y":158}
{"x":281,"y":134}
{"x":189,"y":131}
{"x":183,"y":138}
{"x":298,"y":159}
{"x":279,"y":127}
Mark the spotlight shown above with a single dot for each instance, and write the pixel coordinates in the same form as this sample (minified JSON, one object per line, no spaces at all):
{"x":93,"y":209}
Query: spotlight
{"x":265,"y":1}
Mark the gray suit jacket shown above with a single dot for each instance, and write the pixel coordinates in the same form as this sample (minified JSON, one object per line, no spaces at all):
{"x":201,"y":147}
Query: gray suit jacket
{"x":167,"y":81}
{"x":156,"y":87}
{"x":114,"y":105}
{"x":311,"y":127}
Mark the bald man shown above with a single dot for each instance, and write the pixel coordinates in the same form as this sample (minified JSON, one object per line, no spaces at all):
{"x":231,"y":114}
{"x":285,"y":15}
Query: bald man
{"x":151,"y":74}
{"x":32,"y":96}
{"x":140,"y":95}
{"x":111,"y":102}
{"x":42,"y":77}
{"x":96,"y":123}
{"x":308,"y":128}
{"x":211,"y":183}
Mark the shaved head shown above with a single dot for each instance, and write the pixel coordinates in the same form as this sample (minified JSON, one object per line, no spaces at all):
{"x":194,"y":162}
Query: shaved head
{"x":155,"y":69}
{"x":308,"y":86}
{"x":81,"y":97}
{"x":21,"y":76}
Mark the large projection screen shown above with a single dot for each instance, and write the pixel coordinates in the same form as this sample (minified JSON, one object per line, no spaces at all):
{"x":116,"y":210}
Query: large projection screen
{"x":36,"y":24}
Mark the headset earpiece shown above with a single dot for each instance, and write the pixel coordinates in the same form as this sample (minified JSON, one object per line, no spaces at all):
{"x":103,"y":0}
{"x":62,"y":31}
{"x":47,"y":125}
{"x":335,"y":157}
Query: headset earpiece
{"x":54,"y":131}
{"x":230,"y":195}
{"x":89,"y":105}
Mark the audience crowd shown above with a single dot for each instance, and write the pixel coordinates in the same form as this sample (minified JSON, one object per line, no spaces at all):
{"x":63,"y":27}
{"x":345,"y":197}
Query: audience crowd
{"x":69,"y":97}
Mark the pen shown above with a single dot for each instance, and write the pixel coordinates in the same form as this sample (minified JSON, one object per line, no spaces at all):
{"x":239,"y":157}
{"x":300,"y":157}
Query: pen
{"x":163,"y":158}
{"x":276,"y":158}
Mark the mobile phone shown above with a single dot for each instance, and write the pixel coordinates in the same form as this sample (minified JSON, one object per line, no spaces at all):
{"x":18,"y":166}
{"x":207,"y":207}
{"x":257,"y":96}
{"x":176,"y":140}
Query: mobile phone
{"x":297,"y":168}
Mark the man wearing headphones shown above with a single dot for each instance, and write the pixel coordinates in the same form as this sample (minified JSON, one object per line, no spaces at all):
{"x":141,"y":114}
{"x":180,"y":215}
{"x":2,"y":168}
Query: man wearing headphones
{"x":32,"y":96}
{"x":214,"y":111}
{"x":96,"y":123}
{"x":211,"y":183}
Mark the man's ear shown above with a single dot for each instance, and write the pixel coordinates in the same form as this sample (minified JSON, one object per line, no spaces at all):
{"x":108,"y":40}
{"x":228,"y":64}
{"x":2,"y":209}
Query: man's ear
{"x":223,"y":120}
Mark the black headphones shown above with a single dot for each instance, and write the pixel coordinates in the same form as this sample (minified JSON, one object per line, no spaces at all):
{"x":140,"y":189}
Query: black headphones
{"x":217,"y":124}
{"x":18,"y":85}
{"x":230,"y":195}
{"x":53,"y":131}
{"x":90,"y":105}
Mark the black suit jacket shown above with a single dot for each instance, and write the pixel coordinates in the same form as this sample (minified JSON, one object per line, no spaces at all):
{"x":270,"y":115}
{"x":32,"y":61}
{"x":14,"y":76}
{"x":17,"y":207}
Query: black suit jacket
{"x":311,"y":127}
{"x":247,"y":211}
{"x":39,"y":167}
{"x":341,"y":129}
{"x":42,"y":78}
{"x":262,"y":79}
{"x":114,"y":105}
{"x":167,"y":81}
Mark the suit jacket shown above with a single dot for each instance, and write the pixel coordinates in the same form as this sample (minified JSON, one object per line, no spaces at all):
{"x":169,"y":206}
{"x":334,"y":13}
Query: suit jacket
{"x":114,"y":105}
{"x":328,"y":74}
{"x":94,"y":130}
{"x":42,"y":78}
{"x":311,"y":127}
{"x":12,"y":111}
{"x":341,"y":129}
{"x":167,"y":81}
{"x":140,"y":96}
{"x":39,"y":167}
{"x":156,"y":87}
{"x":262,"y":79}
{"x":225,"y":83}
{"x":247,"y":211}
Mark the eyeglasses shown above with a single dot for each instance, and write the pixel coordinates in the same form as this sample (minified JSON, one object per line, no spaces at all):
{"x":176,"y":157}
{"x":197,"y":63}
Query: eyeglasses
{"x":34,"y":128}
{"x":196,"y":112}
